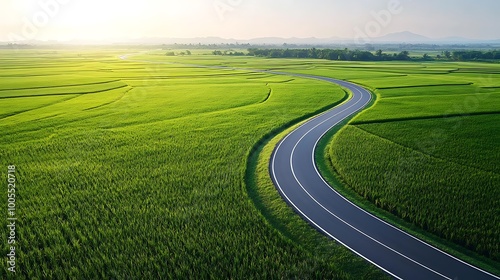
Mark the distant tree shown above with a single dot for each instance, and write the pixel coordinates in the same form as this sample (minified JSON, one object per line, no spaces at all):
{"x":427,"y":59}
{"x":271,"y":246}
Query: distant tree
{"x":276,"y":53}
{"x":447,"y":54}
{"x":287,"y":53}
{"x":170,"y":54}
{"x":346,"y":54}
{"x":359,"y":55}
{"x":313,"y":53}
{"x":404,"y":55}
{"x":303,"y":53}
{"x":188,"y":52}
{"x":488,"y":55}
{"x":496,"y":55}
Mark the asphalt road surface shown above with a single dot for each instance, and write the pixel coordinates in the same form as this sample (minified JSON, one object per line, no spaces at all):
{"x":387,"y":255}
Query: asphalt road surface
{"x":296,"y":177}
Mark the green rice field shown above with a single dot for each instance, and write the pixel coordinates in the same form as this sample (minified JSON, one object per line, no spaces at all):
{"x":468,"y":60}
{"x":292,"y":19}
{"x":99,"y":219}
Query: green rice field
{"x":130,"y":169}
{"x":153,"y":167}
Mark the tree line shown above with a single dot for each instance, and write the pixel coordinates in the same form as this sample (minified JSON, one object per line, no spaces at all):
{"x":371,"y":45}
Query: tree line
{"x":330,"y":54}
{"x":361,"y":55}
{"x":474,"y":55}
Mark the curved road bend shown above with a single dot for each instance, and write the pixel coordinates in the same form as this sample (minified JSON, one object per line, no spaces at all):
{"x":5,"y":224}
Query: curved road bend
{"x":294,"y":173}
{"x":296,"y":177}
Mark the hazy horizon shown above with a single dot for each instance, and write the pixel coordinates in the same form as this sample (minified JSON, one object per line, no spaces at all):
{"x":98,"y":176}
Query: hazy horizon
{"x":64,"y":20}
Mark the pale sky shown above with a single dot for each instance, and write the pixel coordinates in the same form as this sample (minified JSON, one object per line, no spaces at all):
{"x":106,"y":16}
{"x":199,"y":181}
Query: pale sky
{"x":244,"y":19}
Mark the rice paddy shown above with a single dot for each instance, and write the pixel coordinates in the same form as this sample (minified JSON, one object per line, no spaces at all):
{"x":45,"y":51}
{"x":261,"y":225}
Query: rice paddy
{"x":131,"y":169}
{"x":136,"y":168}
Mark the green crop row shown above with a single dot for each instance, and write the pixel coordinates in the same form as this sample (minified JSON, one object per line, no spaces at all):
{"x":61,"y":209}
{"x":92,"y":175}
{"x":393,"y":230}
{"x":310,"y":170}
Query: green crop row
{"x":452,"y":200}
{"x":438,"y":106}
{"x":467,"y":140}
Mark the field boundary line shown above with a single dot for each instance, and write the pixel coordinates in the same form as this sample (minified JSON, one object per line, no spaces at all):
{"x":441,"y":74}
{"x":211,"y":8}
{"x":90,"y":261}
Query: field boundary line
{"x":61,"y":86}
{"x":422,"y":153}
{"x":25,"y":111}
{"x":61,"y":94}
{"x":111,"y":102}
{"x":355,"y":123}
{"x":430,"y":85}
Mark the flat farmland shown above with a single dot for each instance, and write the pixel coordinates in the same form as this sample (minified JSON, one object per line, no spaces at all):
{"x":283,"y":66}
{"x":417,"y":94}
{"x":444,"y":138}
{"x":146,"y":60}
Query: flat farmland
{"x":137,"y":167}
{"x":129,"y":169}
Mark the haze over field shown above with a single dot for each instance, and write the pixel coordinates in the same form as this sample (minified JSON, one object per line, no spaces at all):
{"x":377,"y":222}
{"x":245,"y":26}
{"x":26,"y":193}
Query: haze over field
{"x":115,"y":20}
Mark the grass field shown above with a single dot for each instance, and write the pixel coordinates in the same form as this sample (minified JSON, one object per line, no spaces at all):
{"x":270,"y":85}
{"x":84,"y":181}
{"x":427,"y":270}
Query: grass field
{"x":140,"y":168}
{"x":131,"y":169}
{"x":427,"y":152}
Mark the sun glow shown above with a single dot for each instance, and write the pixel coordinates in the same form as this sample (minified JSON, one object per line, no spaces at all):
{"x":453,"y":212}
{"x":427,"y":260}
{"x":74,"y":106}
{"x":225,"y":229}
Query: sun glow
{"x":111,"y":19}
{"x":95,"y":18}
{"x":24,"y":20}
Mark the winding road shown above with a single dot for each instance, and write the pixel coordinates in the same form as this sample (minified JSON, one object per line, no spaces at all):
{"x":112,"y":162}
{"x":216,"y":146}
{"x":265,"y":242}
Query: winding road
{"x":295,"y":175}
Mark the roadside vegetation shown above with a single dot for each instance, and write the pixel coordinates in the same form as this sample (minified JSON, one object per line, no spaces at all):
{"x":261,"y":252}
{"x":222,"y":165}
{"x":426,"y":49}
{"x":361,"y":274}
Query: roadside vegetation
{"x":426,"y":152}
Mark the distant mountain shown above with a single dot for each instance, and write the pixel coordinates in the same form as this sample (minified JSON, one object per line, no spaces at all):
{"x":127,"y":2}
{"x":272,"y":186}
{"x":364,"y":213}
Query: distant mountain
{"x":277,"y":41}
{"x":170,"y":41}
{"x":413,"y":38}
{"x":455,"y":39}
{"x":294,"y":41}
{"x":403,"y":37}
{"x":255,"y":41}
{"x":392,"y":38}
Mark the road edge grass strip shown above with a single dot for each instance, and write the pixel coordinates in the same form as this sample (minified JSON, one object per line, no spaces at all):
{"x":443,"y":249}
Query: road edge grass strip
{"x":269,"y":136}
{"x":334,"y":179}
{"x":279,"y":215}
